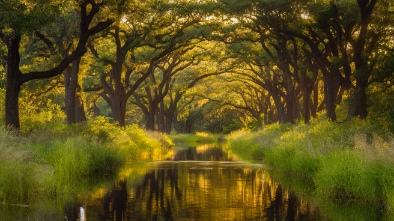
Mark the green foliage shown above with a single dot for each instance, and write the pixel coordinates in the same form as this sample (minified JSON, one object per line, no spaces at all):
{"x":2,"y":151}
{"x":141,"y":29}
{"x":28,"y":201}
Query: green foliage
{"x":192,"y":139}
{"x":344,"y":176}
{"x":244,"y":144}
{"x":33,"y":116}
{"x":347,"y":163}
{"x":16,"y":180}
{"x":254,"y":146}
{"x":57,"y":161}
{"x":147,"y":145}
{"x":21,"y":16}
{"x":382,"y":107}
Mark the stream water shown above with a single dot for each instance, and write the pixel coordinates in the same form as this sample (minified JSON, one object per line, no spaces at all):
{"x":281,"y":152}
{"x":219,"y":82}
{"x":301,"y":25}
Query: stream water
{"x":196,"y":183}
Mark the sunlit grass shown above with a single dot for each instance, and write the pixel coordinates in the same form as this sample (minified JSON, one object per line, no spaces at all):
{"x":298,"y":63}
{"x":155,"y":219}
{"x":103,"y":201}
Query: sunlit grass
{"x":57,"y":162}
{"x":193,"y":139}
{"x":350,"y":162}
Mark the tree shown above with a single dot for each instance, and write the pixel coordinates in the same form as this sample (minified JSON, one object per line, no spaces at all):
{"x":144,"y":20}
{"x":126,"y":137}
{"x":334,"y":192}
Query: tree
{"x":58,"y":37}
{"x":339,"y":37}
{"x":157,"y":86}
{"x":15,"y":26}
{"x":140,"y":42}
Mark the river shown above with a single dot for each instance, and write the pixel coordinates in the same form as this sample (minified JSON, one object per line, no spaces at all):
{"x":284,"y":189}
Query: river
{"x":198,"y":183}
{"x":195,"y":183}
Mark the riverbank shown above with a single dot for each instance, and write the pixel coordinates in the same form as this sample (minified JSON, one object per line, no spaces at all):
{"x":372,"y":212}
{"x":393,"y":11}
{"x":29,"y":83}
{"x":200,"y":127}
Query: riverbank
{"x":195,"y":138}
{"x":350,"y":163}
{"x":57,"y":162}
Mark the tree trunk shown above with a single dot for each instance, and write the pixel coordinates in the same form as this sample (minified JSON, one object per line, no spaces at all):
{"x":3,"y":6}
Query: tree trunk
{"x":331,"y":88}
{"x":358,"y":102}
{"x":169,"y":122}
{"x":12,"y":102}
{"x":80,"y":115}
{"x":363,"y":47}
{"x":290,"y":106}
{"x":74,"y":108}
{"x":315,"y":101}
{"x":306,"y":106}
{"x":13,"y":84}
{"x":279,"y":108}
{"x":15,"y":78}
{"x":118,"y":108}
{"x":307,"y":86}
{"x":160,"y":118}
{"x":150,"y":121}
{"x":170,"y":114}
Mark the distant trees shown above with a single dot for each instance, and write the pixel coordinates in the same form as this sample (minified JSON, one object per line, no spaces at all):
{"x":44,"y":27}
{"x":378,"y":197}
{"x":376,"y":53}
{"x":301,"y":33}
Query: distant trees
{"x":337,"y":40}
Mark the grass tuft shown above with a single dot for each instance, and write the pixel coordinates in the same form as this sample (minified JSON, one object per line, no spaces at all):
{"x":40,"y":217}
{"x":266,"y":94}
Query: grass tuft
{"x":350,"y":162}
{"x":55,"y":162}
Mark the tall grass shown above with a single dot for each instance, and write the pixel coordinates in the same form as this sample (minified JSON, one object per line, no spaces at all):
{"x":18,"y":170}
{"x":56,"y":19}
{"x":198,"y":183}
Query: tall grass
{"x":57,"y":161}
{"x":350,"y":162}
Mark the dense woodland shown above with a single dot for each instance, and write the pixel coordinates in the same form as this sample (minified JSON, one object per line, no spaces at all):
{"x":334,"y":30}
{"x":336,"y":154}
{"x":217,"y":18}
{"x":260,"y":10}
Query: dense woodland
{"x":186,"y":65}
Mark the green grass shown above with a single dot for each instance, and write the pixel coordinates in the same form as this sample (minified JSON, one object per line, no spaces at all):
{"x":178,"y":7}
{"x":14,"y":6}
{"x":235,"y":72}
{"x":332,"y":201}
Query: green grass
{"x":346,"y":163}
{"x":196,"y":138}
{"x":58,"y":162}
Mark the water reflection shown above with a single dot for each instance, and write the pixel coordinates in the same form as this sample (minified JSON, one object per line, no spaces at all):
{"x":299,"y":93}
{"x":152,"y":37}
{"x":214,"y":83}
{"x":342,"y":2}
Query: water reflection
{"x":206,"y":152}
{"x":209,"y":187}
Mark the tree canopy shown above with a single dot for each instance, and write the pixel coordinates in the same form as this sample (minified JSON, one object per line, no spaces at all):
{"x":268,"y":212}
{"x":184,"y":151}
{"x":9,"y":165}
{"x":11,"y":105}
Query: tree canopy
{"x":197,"y":65}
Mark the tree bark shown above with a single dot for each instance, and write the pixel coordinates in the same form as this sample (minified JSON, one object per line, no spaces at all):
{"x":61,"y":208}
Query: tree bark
{"x":150,"y":121}
{"x":15,"y":78}
{"x":279,"y":108}
{"x":331,"y":88}
{"x":13,"y":84}
{"x":73,"y":105}
{"x":358,"y":100}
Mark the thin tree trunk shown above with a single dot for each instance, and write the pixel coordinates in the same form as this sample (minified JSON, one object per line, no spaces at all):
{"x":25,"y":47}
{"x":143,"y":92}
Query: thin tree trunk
{"x":279,"y":108}
{"x":160,"y":118}
{"x":80,"y":115}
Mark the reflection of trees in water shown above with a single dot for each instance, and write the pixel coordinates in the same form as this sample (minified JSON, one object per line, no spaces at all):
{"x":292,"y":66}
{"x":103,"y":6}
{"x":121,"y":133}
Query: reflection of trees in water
{"x":204,"y":191}
{"x":183,"y":191}
{"x":153,"y":197}
{"x":116,"y":202}
{"x":206,"y":154}
{"x":285,"y":205}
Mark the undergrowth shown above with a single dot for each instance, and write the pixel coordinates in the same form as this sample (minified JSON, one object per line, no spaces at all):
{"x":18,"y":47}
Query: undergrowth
{"x":350,"y":162}
{"x":196,"y":138}
{"x":57,"y":161}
